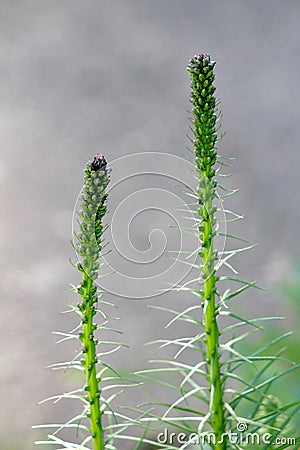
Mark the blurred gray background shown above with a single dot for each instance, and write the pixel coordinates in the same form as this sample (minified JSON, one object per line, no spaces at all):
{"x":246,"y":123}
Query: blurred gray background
{"x":81,"y":77}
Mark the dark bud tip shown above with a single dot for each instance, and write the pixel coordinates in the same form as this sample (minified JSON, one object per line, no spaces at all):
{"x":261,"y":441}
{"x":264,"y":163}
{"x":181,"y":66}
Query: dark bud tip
{"x":98,"y":163}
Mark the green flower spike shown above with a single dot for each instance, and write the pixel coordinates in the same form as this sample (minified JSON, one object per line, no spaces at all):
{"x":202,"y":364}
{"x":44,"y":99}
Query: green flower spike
{"x":96,"y":179}
{"x":204,"y":118}
{"x":98,"y":425}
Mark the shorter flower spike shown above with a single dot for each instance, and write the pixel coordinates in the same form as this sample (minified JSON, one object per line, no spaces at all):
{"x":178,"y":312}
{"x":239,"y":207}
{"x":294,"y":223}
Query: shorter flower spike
{"x":93,"y":209}
{"x":93,"y":197}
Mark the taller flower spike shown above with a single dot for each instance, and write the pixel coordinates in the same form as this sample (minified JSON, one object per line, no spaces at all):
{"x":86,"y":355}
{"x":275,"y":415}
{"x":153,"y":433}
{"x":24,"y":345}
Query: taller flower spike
{"x":204,"y":117}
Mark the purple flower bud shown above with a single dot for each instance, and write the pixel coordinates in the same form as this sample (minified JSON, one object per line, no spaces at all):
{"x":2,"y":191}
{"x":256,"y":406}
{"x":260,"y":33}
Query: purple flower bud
{"x":99,"y":162}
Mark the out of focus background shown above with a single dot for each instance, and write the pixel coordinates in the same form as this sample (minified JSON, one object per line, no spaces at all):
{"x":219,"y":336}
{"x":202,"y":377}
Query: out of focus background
{"x":81,"y":77}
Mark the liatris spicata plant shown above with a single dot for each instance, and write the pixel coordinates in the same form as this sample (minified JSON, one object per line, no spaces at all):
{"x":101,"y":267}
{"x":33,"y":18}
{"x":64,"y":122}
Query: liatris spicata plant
{"x":90,"y":427}
{"x":89,"y":248}
{"x":216,"y":402}
{"x":204,"y":129}
{"x":211,"y":411}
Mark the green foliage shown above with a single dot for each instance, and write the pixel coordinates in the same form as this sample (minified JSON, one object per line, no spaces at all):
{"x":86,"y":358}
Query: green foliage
{"x":290,"y":289}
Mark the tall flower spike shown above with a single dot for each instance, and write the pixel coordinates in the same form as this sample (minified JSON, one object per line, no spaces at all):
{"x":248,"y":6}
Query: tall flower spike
{"x":204,"y":118}
{"x":93,"y":197}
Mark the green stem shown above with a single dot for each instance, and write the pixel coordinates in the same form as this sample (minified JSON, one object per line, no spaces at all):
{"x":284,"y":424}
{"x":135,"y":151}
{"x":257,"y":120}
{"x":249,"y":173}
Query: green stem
{"x":90,"y":360}
{"x":204,"y":120}
{"x":212,"y":336}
